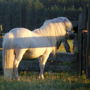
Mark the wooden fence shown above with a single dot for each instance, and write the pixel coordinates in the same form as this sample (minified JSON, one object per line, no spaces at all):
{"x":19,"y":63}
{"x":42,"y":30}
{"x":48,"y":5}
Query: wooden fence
{"x":0,"y":40}
{"x":59,"y":62}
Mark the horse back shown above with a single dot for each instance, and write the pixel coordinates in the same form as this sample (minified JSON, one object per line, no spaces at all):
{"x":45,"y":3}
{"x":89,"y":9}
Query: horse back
{"x":21,"y":32}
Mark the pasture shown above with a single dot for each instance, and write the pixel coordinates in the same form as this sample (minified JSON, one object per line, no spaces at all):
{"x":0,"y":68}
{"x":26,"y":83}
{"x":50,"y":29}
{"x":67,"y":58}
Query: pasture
{"x":53,"y":81}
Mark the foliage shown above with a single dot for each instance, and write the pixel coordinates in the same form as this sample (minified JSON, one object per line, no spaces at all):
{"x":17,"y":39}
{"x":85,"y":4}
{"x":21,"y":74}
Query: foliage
{"x":32,"y":13}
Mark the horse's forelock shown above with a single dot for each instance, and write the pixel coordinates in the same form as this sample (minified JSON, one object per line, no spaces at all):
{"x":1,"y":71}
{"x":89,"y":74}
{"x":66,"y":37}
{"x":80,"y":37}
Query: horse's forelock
{"x":68,"y":25}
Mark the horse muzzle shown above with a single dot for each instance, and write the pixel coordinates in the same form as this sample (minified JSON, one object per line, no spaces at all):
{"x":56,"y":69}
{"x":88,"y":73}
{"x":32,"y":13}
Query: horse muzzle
{"x":71,"y":35}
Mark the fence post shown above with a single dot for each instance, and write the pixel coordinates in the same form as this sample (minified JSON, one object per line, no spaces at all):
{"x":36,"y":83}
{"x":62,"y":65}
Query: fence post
{"x":82,"y":40}
{"x":88,"y":46}
{"x":1,"y":29}
{"x":79,"y":45}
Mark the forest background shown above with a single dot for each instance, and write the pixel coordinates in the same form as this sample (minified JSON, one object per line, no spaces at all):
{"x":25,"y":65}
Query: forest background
{"x":32,"y":13}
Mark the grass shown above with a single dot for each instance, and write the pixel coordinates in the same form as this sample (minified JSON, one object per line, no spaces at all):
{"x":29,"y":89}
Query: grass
{"x":53,"y":81}
{"x":62,"y":48}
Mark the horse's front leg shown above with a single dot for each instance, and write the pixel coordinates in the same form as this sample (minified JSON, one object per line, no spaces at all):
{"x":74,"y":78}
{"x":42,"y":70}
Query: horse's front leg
{"x":18,"y":58}
{"x":42,"y":62}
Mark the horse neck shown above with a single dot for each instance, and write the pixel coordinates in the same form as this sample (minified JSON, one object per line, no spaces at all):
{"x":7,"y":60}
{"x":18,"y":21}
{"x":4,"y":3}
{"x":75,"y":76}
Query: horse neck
{"x":54,"y":34}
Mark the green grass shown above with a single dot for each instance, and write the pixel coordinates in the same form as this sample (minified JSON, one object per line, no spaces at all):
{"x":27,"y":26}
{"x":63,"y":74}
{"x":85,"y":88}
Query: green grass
{"x":53,"y":81}
{"x":62,"y":48}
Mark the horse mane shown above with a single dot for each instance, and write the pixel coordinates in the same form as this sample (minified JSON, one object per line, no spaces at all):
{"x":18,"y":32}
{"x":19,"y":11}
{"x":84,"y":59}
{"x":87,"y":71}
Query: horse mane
{"x":54,"y":27}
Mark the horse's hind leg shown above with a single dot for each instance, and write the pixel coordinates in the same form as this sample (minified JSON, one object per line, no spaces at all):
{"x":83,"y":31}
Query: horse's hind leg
{"x":19,"y":55}
{"x":42,"y":62}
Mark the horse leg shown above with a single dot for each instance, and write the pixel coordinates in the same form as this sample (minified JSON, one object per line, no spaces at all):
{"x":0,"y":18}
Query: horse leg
{"x":66,"y":45}
{"x":18,"y":58}
{"x":42,"y":62}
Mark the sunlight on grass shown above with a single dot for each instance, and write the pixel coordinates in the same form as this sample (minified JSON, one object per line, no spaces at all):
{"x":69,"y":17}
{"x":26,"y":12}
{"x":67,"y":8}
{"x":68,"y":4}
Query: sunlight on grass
{"x":62,"y":48}
{"x":0,"y":48}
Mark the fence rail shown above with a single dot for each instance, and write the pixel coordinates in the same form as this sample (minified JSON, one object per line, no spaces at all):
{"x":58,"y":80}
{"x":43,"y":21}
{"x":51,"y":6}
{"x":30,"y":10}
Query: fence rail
{"x":60,"y":62}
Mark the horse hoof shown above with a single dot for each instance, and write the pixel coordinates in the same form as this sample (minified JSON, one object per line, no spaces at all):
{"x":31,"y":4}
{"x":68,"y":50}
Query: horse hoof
{"x":41,"y":77}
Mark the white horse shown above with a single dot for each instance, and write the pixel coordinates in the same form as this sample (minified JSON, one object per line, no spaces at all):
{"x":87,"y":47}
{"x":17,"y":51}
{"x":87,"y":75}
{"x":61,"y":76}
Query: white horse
{"x":38,"y":44}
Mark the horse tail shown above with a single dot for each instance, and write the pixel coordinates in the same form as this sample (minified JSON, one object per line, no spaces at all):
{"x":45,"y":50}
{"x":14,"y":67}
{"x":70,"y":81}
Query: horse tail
{"x":8,"y":56}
